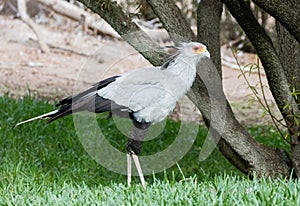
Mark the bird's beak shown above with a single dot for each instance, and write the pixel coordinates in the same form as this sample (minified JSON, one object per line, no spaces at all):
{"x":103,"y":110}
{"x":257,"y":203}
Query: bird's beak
{"x":202,"y":50}
{"x":206,"y":53}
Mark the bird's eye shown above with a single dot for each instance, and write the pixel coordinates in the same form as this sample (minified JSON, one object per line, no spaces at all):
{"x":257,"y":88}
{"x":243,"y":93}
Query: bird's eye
{"x":195,"y":48}
{"x":198,"y":49}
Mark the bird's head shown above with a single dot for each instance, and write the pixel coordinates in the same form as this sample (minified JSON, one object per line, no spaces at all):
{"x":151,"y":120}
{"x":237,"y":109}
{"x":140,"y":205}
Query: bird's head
{"x":189,"y":53}
{"x":194,"y":49}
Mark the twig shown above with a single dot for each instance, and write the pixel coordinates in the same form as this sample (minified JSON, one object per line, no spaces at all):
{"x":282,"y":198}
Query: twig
{"x":274,"y":120}
{"x":68,"y":50}
{"x":266,"y":107}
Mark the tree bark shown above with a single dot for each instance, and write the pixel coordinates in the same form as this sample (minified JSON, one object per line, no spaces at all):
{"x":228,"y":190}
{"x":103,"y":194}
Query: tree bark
{"x":233,"y":140}
{"x":288,"y":16}
{"x":274,"y":71}
{"x":289,"y":54}
{"x":177,"y":27}
{"x":267,"y":54}
{"x":235,"y":143}
{"x":289,"y":50}
{"x":208,"y":24}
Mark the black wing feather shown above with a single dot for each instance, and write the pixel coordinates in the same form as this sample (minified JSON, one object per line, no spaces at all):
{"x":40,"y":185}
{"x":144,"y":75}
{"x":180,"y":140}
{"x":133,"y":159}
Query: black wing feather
{"x":97,"y":86}
{"x":82,"y":102}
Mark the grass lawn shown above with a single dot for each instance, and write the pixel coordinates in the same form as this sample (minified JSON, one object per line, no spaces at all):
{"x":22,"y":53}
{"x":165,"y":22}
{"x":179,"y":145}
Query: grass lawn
{"x":45,"y":164}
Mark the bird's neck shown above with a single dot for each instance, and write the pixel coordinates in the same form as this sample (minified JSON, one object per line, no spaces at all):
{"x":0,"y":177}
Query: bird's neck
{"x":186,"y":69}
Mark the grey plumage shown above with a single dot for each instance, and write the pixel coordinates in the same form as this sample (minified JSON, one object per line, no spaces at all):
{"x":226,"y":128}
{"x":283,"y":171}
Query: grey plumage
{"x":148,"y":94}
{"x":145,"y":95}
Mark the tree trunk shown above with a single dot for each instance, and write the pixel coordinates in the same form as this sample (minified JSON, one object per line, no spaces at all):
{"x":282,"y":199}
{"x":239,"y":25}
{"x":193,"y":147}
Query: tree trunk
{"x":233,"y":140}
{"x":177,"y":27}
{"x":289,"y":54}
{"x":147,"y":11}
{"x":273,"y":67}
{"x":208,"y":24}
{"x":288,"y":16}
{"x":235,"y":143}
{"x":289,"y":51}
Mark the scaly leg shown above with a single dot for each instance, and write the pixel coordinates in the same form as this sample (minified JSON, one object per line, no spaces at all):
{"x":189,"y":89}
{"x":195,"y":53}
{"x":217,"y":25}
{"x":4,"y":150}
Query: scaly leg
{"x":139,"y":169}
{"x":134,"y":148}
{"x":128,"y":169}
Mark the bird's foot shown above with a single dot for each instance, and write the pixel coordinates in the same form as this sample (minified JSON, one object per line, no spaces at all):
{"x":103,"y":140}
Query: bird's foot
{"x":138,"y":167}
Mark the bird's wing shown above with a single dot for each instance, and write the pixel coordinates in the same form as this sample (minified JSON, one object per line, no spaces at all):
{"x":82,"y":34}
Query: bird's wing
{"x":138,"y":89}
{"x":88,"y":92}
{"x":86,"y":100}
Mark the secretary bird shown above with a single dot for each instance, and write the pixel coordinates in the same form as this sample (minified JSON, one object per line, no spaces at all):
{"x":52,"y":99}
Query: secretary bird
{"x":145,"y":95}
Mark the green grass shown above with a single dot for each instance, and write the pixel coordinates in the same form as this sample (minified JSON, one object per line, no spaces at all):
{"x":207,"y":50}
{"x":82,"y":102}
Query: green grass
{"x":45,"y":164}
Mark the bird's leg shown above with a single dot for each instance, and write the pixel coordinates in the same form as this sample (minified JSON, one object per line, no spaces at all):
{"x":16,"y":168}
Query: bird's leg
{"x":128,"y":169}
{"x":133,"y":148}
{"x":139,"y":169}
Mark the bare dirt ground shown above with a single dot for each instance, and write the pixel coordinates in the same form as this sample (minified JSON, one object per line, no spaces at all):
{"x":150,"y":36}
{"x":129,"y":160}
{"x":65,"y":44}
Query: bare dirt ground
{"x":78,"y":60}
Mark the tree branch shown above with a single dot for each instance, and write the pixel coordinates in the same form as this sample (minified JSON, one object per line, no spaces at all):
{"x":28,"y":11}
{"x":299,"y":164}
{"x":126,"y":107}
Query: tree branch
{"x":113,"y":14}
{"x":289,"y":54}
{"x":208,"y":23}
{"x":74,"y":12}
{"x":173,"y":20}
{"x":267,"y":54}
{"x":233,"y":140}
{"x":22,"y":10}
{"x":289,"y":17}
{"x":274,"y":71}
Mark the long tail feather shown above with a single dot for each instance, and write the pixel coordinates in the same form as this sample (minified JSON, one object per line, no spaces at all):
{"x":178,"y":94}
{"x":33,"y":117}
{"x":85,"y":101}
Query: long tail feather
{"x":38,"y":117}
{"x":86,"y":100}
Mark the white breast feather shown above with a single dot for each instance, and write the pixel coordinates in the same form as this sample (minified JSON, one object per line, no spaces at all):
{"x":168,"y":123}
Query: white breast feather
{"x":151,"y":93}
